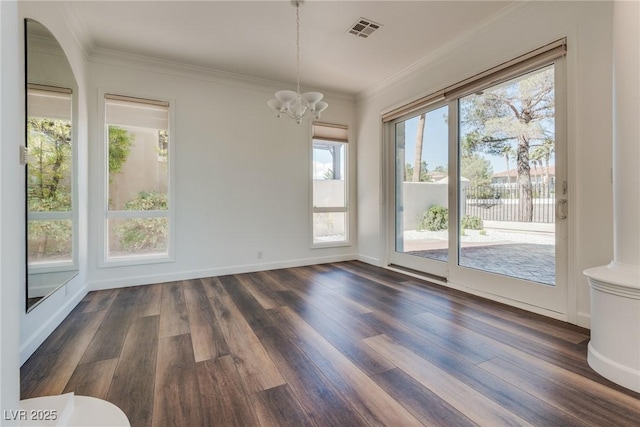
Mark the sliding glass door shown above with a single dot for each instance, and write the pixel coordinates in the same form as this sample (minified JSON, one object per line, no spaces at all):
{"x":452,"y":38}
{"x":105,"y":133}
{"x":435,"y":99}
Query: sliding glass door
{"x":421,"y":152}
{"x":500,"y":150}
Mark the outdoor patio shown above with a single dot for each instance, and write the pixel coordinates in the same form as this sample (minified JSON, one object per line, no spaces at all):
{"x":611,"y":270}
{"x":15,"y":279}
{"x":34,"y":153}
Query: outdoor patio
{"x":519,"y":254}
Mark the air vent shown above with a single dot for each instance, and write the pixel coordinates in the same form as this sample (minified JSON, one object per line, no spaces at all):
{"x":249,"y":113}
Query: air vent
{"x":363,"y":28}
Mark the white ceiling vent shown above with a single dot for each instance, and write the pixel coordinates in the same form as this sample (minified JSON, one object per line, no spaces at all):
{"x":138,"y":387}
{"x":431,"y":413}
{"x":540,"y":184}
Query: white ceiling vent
{"x":363,"y":27}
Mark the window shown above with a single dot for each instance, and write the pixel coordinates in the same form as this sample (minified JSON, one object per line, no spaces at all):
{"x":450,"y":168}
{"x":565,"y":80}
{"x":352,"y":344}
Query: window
{"x":50,"y":243}
{"x":330,"y":185}
{"x":138,"y":179}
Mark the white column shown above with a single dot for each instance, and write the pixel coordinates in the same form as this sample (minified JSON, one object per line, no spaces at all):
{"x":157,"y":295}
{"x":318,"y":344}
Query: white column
{"x":614,"y":350}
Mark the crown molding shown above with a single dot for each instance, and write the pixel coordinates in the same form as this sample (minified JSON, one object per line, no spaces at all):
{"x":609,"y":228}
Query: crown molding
{"x":78,"y":29}
{"x":162,"y":66}
{"x":426,"y":62}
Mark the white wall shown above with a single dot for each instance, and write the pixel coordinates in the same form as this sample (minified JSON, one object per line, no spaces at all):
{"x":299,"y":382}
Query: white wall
{"x":36,"y":325}
{"x":11,"y":271}
{"x":587,"y":26}
{"x":242,"y":176}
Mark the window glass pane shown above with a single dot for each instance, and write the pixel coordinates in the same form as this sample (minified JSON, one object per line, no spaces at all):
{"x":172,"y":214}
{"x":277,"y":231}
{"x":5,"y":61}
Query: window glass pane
{"x":50,"y":152}
{"x":50,"y":241}
{"x":422,"y":183}
{"x":138,"y":236}
{"x":138,"y":168}
{"x":329,"y":227}
{"x":329,"y":184}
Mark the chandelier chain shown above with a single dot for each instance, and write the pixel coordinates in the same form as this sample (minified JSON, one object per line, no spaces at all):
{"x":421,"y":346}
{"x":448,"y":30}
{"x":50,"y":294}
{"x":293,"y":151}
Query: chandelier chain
{"x":298,"y":45}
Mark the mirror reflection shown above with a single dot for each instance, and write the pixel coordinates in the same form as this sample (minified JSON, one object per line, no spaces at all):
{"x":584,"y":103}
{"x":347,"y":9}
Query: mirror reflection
{"x":50,"y":186}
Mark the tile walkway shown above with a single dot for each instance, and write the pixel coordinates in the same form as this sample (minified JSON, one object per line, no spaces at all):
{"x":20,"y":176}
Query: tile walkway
{"x":519,"y":260}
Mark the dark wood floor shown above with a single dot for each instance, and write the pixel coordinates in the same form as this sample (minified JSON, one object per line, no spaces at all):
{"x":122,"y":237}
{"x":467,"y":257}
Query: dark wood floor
{"x":342,"y":344}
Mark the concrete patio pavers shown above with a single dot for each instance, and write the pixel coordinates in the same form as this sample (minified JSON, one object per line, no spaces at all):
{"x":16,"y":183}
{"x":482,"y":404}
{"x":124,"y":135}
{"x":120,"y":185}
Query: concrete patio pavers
{"x":526,"y":261}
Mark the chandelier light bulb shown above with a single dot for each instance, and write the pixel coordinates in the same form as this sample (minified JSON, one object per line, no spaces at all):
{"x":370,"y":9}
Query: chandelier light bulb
{"x":294,"y":104}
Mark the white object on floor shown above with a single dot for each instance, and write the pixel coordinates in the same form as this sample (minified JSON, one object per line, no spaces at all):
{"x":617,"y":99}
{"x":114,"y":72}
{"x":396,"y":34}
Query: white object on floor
{"x":70,"y":410}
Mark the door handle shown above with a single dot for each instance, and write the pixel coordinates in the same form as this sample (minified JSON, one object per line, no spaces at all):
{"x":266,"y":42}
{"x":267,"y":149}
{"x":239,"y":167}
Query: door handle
{"x":561,"y":209}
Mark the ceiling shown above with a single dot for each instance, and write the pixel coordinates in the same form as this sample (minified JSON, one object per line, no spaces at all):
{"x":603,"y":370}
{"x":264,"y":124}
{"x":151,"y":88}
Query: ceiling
{"x":257,"y":38}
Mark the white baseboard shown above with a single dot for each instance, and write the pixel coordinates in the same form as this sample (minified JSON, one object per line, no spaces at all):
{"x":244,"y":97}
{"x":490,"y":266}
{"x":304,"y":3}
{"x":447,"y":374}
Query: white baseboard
{"x":369,"y":260}
{"x":222,"y":271}
{"x":584,"y":320}
{"x":31,"y":344}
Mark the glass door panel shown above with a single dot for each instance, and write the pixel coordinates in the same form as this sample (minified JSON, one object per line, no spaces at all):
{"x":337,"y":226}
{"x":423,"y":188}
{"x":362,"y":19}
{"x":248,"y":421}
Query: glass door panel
{"x":421,"y":187}
{"x":511,"y":240}
{"x":506,"y":178}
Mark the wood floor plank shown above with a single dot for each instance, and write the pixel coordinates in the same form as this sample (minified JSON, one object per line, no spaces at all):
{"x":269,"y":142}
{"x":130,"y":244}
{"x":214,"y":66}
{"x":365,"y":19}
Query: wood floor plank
{"x":614,"y":397}
{"x":60,"y":355}
{"x":109,"y":338}
{"x":341,"y":337}
{"x":511,"y":398}
{"x":132,"y":387}
{"x":224,"y":400}
{"x":176,"y":393}
{"x":423,"y":403}
{"x":278,"y":407}
{"x":450,"y":336}
{"x":480,"y":409}
{"x":92,"y":379}
{"x":326,"y":287}
{"x":207,"y":337}
{"x":253,"y":362}
{"x":563,"y":396}
{"x":322,"y":403}
{"x":173,"y":312}
{"x":150,"y":301}
{"x":268,"y":281}
{"x":255,"y":315}
{"x":372,"y":403}
{"x":265,"y":295}
{"x":340,"y":309}
{"x":101,"y":300}
{"x":373,"y":295}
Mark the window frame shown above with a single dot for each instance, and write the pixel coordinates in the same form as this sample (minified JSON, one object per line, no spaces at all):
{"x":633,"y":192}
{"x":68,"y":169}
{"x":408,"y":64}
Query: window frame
{"x":71,"y":215}
{"x":333,"y":209}
{"x":129,"y":260}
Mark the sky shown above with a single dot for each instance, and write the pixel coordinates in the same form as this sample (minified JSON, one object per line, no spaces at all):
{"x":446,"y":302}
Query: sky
{"x":435,"y":142}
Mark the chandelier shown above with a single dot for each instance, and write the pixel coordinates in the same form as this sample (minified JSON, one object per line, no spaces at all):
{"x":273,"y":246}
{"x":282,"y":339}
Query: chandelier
{"x":294,"y":104}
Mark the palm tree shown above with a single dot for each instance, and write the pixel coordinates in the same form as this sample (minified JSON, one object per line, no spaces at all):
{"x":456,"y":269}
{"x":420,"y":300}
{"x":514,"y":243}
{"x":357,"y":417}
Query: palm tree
{"x":508,"y":154}
{"x":417,"y":164}
{"x":544,"y":152}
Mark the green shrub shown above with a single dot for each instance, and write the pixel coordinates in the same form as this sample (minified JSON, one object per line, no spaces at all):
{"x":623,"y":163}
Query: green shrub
{"x":471,"y":223}
{"x":145,"y":234}
{"x":435,"y":219}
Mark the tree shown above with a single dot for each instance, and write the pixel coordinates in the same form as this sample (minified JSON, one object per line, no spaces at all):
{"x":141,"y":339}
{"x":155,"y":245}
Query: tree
{"x":518,"y":113}
{"x":417,"y":163}
{"x":329,"y":174}
{"x":476,"y":169}
{"x":408,"y":172}
{"x":508,"y":154}
{"x":48,"y":184}
{"x":120,"y":143}
{"x":49,"y":143}
{"x":544,"y":152}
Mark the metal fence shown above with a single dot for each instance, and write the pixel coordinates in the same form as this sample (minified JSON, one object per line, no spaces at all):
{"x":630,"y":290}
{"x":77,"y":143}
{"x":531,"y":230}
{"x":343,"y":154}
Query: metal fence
{"x":502,"y":203}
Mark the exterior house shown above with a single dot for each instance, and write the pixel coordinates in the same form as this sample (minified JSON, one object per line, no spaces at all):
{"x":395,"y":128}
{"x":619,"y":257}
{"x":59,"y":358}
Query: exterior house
{"x":538,"y":176}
